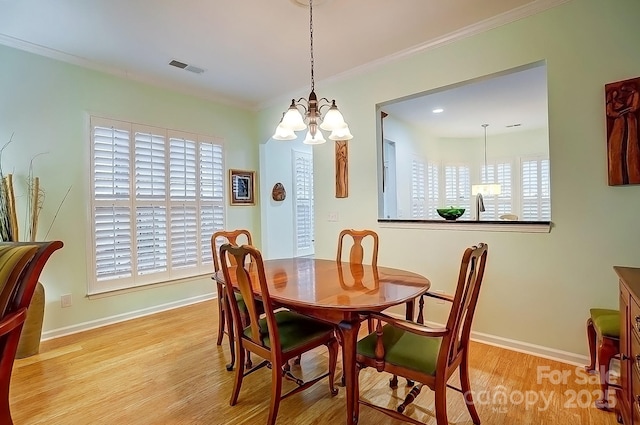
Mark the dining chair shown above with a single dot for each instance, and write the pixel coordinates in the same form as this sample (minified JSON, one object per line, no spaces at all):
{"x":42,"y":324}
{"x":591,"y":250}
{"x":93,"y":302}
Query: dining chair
{"x":356,"y":252}
{"x":603,"y":330}
{"x":20,"y":266}
{"x":426,"y":355}
{"x":277,"y":337}
{"x":219,"y":238}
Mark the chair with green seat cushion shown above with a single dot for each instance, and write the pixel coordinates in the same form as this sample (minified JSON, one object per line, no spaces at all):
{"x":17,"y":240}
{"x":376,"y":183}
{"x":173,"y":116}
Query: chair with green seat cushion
{"x":219,"y":238}
{"x":277,"y":337}
{"x":428,"y":356}
{"x":603,"y":330}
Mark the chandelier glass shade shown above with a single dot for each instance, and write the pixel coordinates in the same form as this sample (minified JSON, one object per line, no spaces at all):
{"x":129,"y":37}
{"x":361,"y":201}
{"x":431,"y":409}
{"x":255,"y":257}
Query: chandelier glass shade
{"x":308,"y":113}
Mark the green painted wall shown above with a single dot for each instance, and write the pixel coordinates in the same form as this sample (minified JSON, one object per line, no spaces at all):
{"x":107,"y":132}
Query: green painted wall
{"x":538,"y":287}
{"x":46,"y":104}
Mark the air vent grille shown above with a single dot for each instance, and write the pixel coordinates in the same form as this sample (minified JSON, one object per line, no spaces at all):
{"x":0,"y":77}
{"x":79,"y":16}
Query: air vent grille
{"x":178,"y":64}
{"x":186,"y":67}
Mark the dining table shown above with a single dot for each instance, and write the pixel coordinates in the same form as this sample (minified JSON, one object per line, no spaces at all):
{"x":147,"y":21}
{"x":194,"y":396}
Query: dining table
{"x":340,"y":293}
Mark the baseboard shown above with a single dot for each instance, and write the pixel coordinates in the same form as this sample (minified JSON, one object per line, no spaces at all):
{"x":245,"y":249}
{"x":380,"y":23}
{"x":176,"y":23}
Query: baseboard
{"x":85,"y":326}
{"x":533,"y":349}
{"x":506,"y":343}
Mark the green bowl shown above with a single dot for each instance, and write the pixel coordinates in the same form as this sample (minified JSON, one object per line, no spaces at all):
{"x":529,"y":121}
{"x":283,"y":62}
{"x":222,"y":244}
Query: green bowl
{"x":450,"y":213}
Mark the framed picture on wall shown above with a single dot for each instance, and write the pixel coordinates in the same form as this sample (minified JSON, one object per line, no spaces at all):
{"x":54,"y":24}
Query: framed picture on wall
{"x":242,"y":187}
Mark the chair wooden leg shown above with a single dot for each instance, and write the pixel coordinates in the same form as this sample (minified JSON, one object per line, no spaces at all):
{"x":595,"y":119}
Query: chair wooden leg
{"x":239,"y":376}
{"x":410,"y":397}
{"x":245,"y":323}
{"x":276,"y":390}
{"x":356,"y":407}
{"x":465,"y":384}
{"x":393,"y":382}
{"x":221,"y":314}
{"x":333,"y":361}
{"x":441,"y":402}
{"x":591,"y":338}
{"x":606,"y":350}
{"x":232,"y":344}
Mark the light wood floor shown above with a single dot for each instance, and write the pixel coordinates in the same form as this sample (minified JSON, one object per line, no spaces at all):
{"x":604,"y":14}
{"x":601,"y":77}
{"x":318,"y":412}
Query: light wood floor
{"x":166,"y":369}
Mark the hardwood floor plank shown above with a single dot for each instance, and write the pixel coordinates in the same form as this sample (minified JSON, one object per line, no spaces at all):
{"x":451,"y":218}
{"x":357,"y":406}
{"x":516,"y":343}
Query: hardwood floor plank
{"x":166,"y":369}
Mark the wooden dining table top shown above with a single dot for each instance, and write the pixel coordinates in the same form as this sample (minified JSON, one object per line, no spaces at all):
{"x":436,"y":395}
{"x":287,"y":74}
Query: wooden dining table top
{"x":332,"y":285}
{"x":338,"y":293}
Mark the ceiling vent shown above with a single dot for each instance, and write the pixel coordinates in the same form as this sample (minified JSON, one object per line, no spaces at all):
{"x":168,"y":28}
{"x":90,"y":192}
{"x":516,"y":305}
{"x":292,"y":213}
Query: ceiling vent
{"x":186,"y":67}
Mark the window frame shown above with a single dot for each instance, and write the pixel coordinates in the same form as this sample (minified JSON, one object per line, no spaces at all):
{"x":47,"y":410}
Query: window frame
{"x":216,"y":201}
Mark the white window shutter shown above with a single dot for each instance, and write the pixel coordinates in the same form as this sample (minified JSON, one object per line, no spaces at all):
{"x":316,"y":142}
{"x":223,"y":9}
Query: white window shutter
{"x":418,"y":189}
{"x":211,"y":196}
{"x":151,"y":239}
{"x":150,"y":166}
{"x":157,"y":199}
{"x":496,"y":205}
{"x":182,"y":169}
{"x":113,"y":242}
{"x":536,"y":199}
{"x":111,"y":175}
{"x":303,"y":201}
{"x":457,"y":184}
{"x":433,"y":191}
{"x":184,"y":236}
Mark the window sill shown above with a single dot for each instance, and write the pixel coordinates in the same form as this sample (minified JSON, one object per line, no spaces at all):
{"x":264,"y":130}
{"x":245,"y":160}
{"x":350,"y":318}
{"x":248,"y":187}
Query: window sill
{"x":128,"y":290}
{"x":469,"y":225}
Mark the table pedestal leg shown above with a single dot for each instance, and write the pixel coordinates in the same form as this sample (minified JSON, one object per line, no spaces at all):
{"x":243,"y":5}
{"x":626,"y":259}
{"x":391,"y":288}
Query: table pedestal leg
{"x":349,"y":332}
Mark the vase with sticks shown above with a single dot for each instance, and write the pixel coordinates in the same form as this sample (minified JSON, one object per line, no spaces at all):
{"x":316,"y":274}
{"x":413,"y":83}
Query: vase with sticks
{"x":32,"y":330}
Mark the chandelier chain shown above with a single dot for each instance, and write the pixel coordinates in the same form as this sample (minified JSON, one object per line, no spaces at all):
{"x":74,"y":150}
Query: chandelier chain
{"x":311,"y":40}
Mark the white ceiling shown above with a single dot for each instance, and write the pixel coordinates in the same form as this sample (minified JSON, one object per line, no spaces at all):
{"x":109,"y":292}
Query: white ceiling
{"x":512,"y":101}
{"x":251,"y":50}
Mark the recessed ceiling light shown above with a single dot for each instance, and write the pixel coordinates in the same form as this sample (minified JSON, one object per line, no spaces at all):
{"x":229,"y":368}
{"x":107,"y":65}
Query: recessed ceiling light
{"x":438,"y":110}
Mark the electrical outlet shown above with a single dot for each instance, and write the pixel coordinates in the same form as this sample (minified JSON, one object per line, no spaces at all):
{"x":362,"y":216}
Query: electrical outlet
{"x":333,"y":216}
{"x":66,"y":300}
{"x":438,"y":300}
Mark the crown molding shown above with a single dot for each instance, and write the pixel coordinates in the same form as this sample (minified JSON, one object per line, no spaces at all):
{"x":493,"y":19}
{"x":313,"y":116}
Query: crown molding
{"x":89,"y":64}
{"x":505,"y":18}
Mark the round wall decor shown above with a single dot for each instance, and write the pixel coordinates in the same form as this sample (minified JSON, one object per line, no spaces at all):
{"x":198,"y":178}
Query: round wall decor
{"x":278,"y":193}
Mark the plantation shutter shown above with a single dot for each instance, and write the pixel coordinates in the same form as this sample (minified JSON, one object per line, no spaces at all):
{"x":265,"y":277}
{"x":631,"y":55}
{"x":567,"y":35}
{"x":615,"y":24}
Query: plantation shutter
{"x":211,"y":196}
{"x":418,"y":191}
{"x":182,"y":189}
{"x":303,"y":203}
{"x":112,"y":209}
{"x":496,"y":205}
{"x":150,"y":190}
{"x":457,"y":186}
{"x":158,"y":196}
{"x":433,"y":191}
{"x":536,"y":196}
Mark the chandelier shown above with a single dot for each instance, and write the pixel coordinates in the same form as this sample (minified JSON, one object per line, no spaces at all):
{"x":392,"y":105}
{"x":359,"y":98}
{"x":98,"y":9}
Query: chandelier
{"x":311,"y":116}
